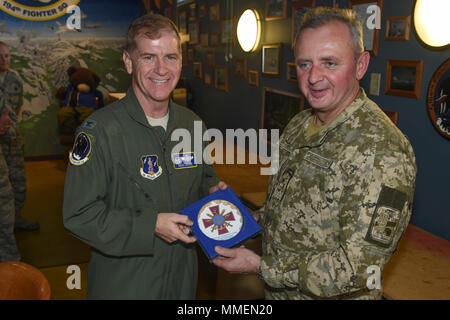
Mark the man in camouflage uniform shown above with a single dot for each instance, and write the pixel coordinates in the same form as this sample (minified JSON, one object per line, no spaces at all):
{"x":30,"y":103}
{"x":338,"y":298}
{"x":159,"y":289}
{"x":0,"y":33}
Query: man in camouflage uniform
{"x":341,"y":201}
{"x":11,"y":142}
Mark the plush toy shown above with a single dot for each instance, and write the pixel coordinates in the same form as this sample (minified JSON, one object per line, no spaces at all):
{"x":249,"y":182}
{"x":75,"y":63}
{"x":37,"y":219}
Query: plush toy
{"x":79,"y":99}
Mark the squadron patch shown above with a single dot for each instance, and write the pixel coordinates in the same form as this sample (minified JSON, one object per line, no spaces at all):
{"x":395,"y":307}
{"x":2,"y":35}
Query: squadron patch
{"x":220,"y":220}
{"x":184,"y":160}
{"x":150,"y":168}
{"x":81,"y":149}
{"x":387,"y":216}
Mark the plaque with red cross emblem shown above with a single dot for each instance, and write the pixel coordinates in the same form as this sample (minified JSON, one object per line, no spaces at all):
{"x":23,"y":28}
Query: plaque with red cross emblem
{"x":221,"y":219}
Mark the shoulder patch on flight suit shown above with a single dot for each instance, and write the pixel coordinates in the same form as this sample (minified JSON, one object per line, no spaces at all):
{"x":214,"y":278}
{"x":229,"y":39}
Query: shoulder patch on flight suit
{"x":184,"y":160}
{"x":150,"y":168}
{"x":81,"y":149}
{"x":386,"y":217}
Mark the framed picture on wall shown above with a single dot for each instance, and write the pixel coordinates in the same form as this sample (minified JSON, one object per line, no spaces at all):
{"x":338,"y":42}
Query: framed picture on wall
{"x":240,"y":68}
{"x":403,"y":78}
{"x":291,"y":72}
{"x":193,"y":32}
{"x":192,"y":12}
{"x":207,"y":78}
{"x":182,"y":21}
{"x":253,"y":78}
{"x":227,"y":31}
{"x":271,"y":56}
{"x":275,"y":9}
{"x":202,"y":11}
{"x":278,"y":108}
{"x":221,"y":78}
{"x":214,"y":40}
{"x":298,"y":11}
{"x":397,"y":28}
{"x":197,"y":69}
{"x":438,"y":99}
{"x":204,"y":39}
{"x":214,"y":12}
{"x":371,"y":33}
{"x":209,"y":58}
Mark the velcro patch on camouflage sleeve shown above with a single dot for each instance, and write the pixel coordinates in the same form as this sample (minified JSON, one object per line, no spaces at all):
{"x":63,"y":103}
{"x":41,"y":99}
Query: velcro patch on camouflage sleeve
{"x":386,"y":217}
{"x":280,"y":187}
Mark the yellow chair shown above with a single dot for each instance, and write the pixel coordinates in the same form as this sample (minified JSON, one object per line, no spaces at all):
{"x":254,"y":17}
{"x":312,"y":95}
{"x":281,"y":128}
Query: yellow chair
{"x":21,"y":281}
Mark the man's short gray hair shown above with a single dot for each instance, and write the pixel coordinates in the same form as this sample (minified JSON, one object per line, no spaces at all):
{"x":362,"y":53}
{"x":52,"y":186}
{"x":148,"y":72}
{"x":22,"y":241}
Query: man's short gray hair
{"x":154,"y":25}
{"x":320,"y":16}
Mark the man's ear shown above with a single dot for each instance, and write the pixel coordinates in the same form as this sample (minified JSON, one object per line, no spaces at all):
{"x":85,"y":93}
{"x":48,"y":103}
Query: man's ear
{"x":362,"y":64}
{"x":127,"y":61}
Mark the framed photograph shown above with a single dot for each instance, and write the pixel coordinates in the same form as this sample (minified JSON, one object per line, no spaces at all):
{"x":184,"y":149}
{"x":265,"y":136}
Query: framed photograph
{"x":168,"y":12}
{"x":298,"y":11}
{"x":193,"y":32}
{"x":227,"y":31}
{"x":397,"y":28}
{"x":291,"y":72}
{"x":204,"y":39}
{"x":192,"y":12}
{"x":240,"y":68}
{"x":404,"y":77}
{"x":214,"y":12}
{"x":202,"y":11}
{"x":190,"y":54}
{"x":221,"y":78}
{"x":278,"y":108}
{"x":207,"y":78}
{"x":198,"y":70}
{"x":214,"y":40}
{"x":253,"y":78}
{"x":271,"y":57}
{"x":182,"y":22}
{"x":275,"y":9}
{"x":209,"y":58}
{"x":371,"y":35}
{"x":438,"y":100}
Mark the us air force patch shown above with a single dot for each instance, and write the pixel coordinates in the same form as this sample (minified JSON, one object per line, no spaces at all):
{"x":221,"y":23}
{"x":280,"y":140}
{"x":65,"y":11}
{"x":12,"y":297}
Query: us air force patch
{"x":184,"y":160}
{"x":387,"y":216}
{"x":150,"y":168}
{"x":81,"y":149}
{"x":220,"y":220}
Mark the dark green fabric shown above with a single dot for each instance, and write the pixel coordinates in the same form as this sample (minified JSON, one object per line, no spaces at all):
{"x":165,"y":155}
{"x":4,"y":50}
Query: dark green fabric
{"x":109,"y":205}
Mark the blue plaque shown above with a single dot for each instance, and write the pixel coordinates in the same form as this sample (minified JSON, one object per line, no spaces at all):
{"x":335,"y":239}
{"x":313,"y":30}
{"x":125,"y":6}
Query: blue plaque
{"x":221,"y":219}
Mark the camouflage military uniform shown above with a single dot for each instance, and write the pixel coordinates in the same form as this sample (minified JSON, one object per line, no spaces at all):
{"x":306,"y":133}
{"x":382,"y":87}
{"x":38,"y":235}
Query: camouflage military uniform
{"x":12,"y":179}
{"x":338,"y":205}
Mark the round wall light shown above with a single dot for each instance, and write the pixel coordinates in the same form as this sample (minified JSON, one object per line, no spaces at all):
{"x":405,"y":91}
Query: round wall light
{"x":432,"y":23}
{"x":249,"y":30}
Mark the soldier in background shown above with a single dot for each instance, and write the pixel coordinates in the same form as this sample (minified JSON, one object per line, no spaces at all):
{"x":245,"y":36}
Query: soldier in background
{"x":337,"y":208}
{"x":11,"y":142}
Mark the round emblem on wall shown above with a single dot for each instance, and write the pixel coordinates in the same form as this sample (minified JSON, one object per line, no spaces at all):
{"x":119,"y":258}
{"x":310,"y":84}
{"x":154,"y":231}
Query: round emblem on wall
{"x":438,"y":102}
{"x":220,"y":220}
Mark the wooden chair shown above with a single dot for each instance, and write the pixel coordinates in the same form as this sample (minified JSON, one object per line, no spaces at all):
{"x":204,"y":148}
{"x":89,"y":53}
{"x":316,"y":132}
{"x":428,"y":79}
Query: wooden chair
{"x":21,"y":281}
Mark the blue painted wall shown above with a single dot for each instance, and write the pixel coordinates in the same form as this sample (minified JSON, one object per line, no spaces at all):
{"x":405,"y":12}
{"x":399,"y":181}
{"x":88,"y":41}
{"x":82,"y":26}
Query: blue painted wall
{"x":241,"y":106}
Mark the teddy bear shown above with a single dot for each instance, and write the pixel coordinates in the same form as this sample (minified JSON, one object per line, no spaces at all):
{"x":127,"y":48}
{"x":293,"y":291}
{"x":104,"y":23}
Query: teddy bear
{"x":79,"y":99}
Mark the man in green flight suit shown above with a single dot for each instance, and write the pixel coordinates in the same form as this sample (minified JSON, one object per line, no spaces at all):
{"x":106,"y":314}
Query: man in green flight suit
{"x":124,"y":184}
{"x":341,"y":201}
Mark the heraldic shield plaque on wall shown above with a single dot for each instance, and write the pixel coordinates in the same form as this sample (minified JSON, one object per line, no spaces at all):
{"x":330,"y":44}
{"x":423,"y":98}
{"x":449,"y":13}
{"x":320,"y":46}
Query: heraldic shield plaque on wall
{"x":221,"y":219}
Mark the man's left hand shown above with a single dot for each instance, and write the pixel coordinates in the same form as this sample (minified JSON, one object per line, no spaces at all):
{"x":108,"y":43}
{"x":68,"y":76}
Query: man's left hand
{"x":237,"y":260}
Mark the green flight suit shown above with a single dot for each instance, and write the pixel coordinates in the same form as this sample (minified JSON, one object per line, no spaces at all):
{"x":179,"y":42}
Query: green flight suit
{"x":112,"y":205}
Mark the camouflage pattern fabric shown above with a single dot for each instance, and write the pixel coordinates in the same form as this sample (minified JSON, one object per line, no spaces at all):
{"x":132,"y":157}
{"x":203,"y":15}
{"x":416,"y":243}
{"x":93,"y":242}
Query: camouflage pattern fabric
{"x":8,"y":248}
{"x":12,"y":170}
{"x":12,"y":91}
{"x":339,"y":204}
